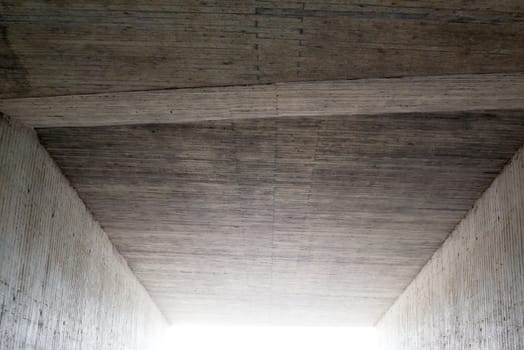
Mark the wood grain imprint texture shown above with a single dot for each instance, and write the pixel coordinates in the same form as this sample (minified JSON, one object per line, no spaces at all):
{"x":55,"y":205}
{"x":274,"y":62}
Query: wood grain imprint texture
{"x":88,"y":46}
{"x":314,"y":220}
{"x":470,"y":295}
{"x":426,"y":94}
{"x":62,"y":283}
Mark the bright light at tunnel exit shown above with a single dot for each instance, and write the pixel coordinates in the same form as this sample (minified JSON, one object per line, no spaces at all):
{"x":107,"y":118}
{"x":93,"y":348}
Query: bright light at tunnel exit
{"x":272,"y":338}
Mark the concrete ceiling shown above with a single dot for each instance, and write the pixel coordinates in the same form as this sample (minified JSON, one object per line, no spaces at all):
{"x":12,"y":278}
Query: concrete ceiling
{"x":310,"y":202}
{"x":427,"y":94}
{"x":57,"y":48}
{"x":320,"y":220}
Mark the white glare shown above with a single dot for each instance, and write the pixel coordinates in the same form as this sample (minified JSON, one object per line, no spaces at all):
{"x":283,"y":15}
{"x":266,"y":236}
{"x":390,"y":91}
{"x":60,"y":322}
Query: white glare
{"x":269,"y":338}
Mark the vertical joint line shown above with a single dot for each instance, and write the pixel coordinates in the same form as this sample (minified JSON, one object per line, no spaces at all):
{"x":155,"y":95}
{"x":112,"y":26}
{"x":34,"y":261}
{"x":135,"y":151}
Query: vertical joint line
{"x":257,"y":67}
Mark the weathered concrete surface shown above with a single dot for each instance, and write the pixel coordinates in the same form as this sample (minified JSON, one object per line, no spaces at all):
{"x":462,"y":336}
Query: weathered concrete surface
{"x":470,"y":295}
{"x":318,"y":221}
{"x":61,"y":48}
{"x":62,"y":284}
{"x":426,"y":94}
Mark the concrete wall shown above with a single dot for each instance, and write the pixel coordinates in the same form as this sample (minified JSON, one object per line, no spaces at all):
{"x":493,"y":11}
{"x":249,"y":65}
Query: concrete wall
{"x":470,"y":295}
{"x":62,"y":284}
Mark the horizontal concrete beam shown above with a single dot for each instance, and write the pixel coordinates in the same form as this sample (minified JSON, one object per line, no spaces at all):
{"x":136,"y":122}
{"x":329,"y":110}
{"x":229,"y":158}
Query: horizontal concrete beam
{"x":321,"y":98}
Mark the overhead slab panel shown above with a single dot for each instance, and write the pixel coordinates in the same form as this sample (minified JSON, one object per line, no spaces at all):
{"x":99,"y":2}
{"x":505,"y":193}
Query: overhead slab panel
{"x":99,"y":46}
{"x":315,"y":220}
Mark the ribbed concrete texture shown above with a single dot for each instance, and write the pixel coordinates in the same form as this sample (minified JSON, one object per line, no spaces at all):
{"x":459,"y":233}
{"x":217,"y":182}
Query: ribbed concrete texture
{"x":62,"y":284}
{"x":470,"y":295}
{"x":315,"y":220}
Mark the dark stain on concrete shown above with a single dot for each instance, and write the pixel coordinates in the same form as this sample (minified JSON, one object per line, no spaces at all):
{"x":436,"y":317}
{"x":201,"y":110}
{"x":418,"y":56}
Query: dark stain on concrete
{"x":13,"y":75}
{"x":299,"y":13}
